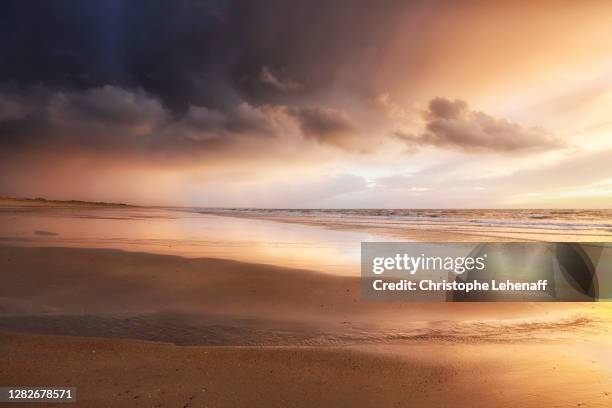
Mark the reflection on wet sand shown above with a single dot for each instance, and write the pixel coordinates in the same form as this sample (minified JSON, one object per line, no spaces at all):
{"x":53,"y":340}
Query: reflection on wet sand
{"x":186,"y":234}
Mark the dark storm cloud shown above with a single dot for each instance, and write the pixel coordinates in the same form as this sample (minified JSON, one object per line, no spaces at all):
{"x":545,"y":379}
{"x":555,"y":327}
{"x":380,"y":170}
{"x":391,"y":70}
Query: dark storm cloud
{"x":123,"y":122}
{"x":451,"y":124}
{"x":183,"y":75}
{"x":89,"y":119}
{"x":187,"y":52}
{"x":74,"y":44}
{"x":271,"y":79}
{"x":192,"y":77}
{"x":325,"y":125}
{"x":107,"y":105}
{"x":130,"y":124}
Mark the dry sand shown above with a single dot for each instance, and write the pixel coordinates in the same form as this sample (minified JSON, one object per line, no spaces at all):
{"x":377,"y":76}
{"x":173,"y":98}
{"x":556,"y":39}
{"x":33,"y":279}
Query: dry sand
{"x":141,"y":374}
{"x":246,"y":334}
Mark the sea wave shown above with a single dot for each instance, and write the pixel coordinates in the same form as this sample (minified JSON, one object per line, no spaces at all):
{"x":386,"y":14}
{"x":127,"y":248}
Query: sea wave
{"x":553,"y":222}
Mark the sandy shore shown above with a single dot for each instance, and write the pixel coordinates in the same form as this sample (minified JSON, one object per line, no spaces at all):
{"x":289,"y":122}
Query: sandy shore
{"x":136,"y":329}
{"x":97,"y":283}
{"x":141,"y":374}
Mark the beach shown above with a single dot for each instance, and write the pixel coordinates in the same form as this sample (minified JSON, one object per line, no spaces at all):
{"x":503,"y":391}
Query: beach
{"x":135,"y":322}
{"x":305,"y":204}
{"x":143,"y":374}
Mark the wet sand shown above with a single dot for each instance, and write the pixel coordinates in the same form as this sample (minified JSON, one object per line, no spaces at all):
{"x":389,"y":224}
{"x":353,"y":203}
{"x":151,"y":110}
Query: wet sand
{"x":139,"y":289}
{"x":137,"y":329}
{"x":182,"y":233}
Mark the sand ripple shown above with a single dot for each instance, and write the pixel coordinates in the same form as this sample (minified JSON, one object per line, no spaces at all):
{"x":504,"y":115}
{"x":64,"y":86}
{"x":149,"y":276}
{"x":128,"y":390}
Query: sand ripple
{"x":187,"y":330}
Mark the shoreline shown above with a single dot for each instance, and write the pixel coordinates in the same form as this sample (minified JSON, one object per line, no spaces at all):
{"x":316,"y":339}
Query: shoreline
{"x":432,"y":232}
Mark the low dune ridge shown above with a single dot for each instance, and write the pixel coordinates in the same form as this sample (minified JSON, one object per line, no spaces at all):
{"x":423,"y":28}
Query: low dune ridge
{"x":43,"y":202}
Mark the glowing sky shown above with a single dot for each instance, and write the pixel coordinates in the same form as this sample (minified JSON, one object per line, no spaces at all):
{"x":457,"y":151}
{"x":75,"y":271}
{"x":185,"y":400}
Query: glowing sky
{"x":308,"y":104}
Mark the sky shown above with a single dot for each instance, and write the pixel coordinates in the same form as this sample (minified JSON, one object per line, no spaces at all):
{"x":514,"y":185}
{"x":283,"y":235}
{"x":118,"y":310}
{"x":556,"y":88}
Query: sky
{"x":308,"y":104}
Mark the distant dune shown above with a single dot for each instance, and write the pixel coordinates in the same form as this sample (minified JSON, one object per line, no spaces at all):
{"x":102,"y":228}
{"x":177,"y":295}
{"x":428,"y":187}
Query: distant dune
{"x":43,"y":202}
